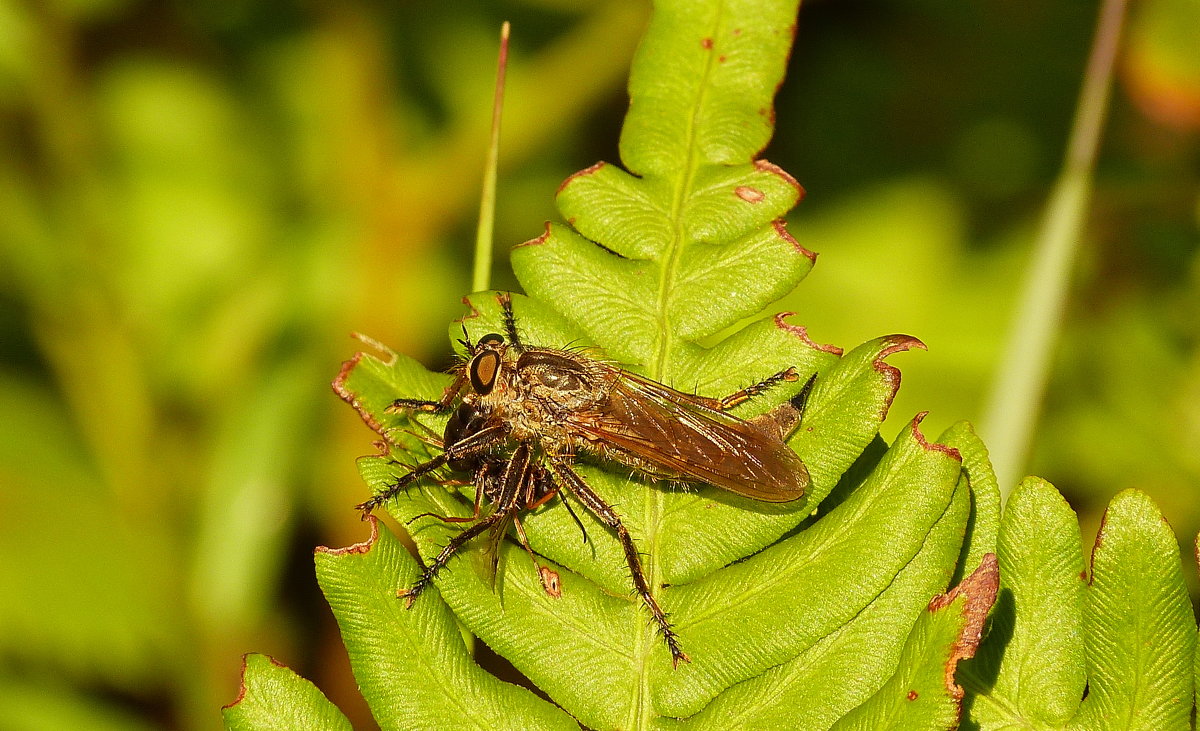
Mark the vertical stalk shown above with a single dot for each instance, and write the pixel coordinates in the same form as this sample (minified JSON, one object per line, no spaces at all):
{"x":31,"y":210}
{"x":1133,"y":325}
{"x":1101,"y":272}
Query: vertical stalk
{"x":1020,"y":383}
{"x":481,"y":278}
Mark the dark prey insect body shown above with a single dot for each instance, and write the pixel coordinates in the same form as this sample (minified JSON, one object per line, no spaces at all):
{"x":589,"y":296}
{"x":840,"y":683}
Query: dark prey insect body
{"x":523,"y":414}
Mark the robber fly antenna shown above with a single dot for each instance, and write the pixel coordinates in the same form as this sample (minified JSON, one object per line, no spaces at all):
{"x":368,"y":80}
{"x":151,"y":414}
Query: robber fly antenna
{"x":465,"y":340}
{"x":510,"y":321}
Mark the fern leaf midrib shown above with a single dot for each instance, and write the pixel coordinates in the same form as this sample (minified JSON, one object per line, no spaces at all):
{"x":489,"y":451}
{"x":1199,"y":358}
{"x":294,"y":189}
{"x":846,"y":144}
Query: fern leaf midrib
{"x":1142,"y":655}
{"x":654,"y":502}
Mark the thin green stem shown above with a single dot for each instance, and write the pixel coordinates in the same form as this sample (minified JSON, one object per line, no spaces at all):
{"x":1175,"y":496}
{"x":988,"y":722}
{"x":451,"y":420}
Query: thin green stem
{"x":1020,"y":383}
{"x":481,"y":277}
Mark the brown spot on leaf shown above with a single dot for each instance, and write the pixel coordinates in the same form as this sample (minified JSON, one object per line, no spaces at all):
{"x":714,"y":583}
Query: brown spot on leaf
{"x":706,"y":43}
{"x":979,"y":591}
{"x":912,"y":695}
{"x":1099,"y":539}
{"x":802,"y":332}
{"x":241,"y":683}
{"x":748,"y":194}
{"x":781,"y":229}
{"x":389,"y":355}
{"x":737,"y":31}
{"x":339,"y":382}
{"x":721,"y":58}
{"x":357,"y":548}
{"x":899,"y":343}
{"x":551,"y":582}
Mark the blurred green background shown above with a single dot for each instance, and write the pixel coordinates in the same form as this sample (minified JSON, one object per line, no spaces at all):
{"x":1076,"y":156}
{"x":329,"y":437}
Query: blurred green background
{"x":199,"y":202}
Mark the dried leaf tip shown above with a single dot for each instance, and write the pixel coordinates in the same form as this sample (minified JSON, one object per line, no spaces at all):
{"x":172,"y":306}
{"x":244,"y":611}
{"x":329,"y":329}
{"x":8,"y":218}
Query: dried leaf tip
{"x":979,"y":593}
{"x":356,"y":548}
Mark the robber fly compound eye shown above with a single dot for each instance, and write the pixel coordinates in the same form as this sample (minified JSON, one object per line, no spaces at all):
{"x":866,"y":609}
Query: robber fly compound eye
{"x":485,"y":367}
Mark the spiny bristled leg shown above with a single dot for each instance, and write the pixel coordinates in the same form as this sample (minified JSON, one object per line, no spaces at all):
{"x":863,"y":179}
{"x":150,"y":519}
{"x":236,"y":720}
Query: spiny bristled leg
{"x":425,"y":405}
{"x":410,"y":595}
{"x":583,"y":492}
{"x":474,"y":516}
{"x":743,"y":395}
{"x":472,"y":446}
{"x":420,"y":470}
{"x":548,"y":576}
{"x":633,"y":559}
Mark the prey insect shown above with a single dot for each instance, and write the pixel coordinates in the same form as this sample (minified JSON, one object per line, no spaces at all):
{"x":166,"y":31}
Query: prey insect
{"x":520,"y":415}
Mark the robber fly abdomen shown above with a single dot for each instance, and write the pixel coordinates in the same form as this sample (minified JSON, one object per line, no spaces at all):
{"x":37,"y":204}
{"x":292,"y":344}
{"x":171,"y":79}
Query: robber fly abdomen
{"x":521,"y":414}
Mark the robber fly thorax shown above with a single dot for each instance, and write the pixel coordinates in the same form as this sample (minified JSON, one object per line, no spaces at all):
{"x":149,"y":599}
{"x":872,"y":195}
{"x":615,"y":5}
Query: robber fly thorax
{"x":537,"y":392}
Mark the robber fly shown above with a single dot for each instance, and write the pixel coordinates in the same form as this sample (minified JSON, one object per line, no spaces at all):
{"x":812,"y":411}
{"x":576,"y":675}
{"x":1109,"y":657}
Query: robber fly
{"x":523,"y":413}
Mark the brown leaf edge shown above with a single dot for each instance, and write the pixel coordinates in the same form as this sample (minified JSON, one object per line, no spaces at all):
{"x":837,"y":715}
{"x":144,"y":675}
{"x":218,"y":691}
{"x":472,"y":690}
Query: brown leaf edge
{"x":979,"y":590}
{"x":242,"y":690}
{"x":343,"y":391}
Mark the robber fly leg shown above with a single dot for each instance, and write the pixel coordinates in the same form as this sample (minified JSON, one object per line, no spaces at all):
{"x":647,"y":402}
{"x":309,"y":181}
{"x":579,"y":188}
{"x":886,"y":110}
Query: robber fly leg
{"x":420,"y":470}
{"x":495,"y":521}
{"x":538,"y":489}
{"x":541,"y":501}
{"x":548,"y":576}
{"x":602,"y":510}
{"x":439,"y":406}
{"x":742,"y":396}
{"x":543,"y":485}
{"x":562,"y":497}
{"x":410,"y":595}
{"x":474,"y":516}
{"x":472,"y":446}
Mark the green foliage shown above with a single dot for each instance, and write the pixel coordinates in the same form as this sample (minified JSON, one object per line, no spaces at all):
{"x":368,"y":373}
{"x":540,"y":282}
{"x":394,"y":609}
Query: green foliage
{"x":1040,"y":610}
{"x":194,"y":211}
{"x":810,"y":615}
{"x":1138,"y":625}
{"x":922,"y":693}
{"x":690,"y":246}
{"x":394,"y":650}
{"x":274,"y":697}
{"x":1127,"y":636}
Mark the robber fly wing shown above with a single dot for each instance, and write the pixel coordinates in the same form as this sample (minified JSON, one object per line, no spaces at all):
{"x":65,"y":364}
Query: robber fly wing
{"x":495,"y":542}
{"x":681,"y":434}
